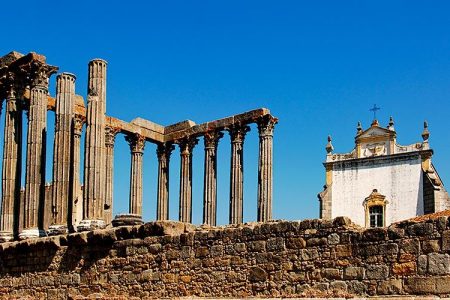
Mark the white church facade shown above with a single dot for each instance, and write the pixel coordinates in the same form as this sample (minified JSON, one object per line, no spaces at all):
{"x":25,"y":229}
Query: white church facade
{"x":381,"y":182}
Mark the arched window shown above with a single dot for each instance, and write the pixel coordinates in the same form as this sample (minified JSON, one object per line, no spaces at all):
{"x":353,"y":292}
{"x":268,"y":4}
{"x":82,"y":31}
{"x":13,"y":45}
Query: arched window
{"x":375,"y":209}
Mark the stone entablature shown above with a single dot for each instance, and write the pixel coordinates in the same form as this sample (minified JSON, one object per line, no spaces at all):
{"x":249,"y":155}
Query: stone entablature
{"x":310,"y":258}
{"x":24,"y":81}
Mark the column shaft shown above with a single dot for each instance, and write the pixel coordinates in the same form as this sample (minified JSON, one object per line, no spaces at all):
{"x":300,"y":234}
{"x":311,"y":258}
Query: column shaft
{"x":186,"y":147}
{"x":265,"y":128}
{"x":76,"y":208}
{"x":137,"y":144}
{"x":62,"y":150}
{"x":237,"y":135}
{"x":94,"y":157}
{"x":12,"y":164}
{"x":211,"y":140}
{"x":34,"y":203}
{"x":162,"y":207}
{"x":109,"y":168}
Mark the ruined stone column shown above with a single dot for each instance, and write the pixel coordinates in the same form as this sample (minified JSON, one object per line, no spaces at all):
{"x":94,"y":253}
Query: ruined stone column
{"x":137,"y":144}
{"x":237,"y":135}
{"x":12,"y":161}
{"x":162,"y":207}
{"x":76,"y":208}
{"x":186,"y":146}
{"x":211,"y":140}
{"x":110,"y":137}
{"x":62,"y":153}
{"x":34,"y":203}
{"x":94,"y":157}
{"x":265,"y":128}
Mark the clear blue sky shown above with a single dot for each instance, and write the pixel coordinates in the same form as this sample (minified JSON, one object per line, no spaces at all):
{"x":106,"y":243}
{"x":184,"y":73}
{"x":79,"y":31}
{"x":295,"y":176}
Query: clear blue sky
{"x":318,"y":65}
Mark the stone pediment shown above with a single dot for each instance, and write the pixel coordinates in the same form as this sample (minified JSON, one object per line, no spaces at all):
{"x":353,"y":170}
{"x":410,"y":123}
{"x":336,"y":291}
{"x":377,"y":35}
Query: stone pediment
{"x":375,"y":131}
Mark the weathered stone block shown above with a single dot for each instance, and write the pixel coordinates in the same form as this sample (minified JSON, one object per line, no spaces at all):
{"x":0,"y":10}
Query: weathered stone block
{"x":338,"y":287}
{"x":257,"y":246}
{"x":309,"y":254}
{"x":275,"y":244}
{"x":344,"y":250}
{"x":438,"y":264}
{"x":295,"y":243}
{"x":420,"y":229}
{"x":403,"y":269}
{"x":257,"y":274}
{"x":313,"y":242}
{"x":354,"y":273}
{"x":390,"y":287}
{"x":331,"y":273}
{"x":446,"y":240}
{"x":429,"y":246}
{"x":333,"y":239}
{"x":377,"y":272}
{"x":410,"y":246}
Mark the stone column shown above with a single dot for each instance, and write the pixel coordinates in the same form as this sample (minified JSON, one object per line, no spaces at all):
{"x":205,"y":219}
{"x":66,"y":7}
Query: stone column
{"x":265,"y":129}
{"x":12,"y":162}
{"x":76,"y":208}
{"x":162,"y":207}
{"x":237,"y":135}
{"x":34,"y":203}
{"x":110,"y":137}
{"x":94,"y":151}
{"x":62,"y":153}
{"x":186,"y":146}
{"x":137,"y":144}
{"x":211,"y":140}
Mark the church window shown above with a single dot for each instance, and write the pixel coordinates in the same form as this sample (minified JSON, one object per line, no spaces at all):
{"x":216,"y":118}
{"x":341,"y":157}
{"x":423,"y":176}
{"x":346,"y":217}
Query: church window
{"x":376,"y":216}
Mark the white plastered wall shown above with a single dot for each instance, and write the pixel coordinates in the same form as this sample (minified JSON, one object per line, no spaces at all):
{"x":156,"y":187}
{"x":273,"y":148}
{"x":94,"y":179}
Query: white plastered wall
{"x":400,"y":180}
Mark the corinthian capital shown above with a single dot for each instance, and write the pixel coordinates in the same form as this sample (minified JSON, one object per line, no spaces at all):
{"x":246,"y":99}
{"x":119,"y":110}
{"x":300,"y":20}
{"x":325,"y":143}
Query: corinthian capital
{"x":164,"y":150}
{"x":136,"y":142}
{"x":110,"y":135}
{"x":40,"y":73}
{"x":78,"y":122}
{"x":266,"y":125}
{"x":237,"y":132}
{"x":211,"y":138}
{"x":187,"y":144}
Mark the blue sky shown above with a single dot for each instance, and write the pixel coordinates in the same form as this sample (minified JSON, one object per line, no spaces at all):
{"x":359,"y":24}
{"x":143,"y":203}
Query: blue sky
{"x":318,"y":66}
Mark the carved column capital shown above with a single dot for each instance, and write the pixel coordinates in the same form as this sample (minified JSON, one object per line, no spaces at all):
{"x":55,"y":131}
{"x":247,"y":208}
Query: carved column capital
{"x":110,"y":136}
{"x":164,"y":150}
{"x":266,"y":125}
{"x":136,"y":142}
{"x":78,"y":122}
{"x":39,"y":74}
{"x":211,"y":139}
{"x":187,"y":144}
{"x":238,"y":132}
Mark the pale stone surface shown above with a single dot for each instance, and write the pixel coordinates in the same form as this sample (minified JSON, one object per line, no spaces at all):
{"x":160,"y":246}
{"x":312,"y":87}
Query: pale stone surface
{"x":12,"y":160}
{"x":186,"y":147}
{"x":62,"y":152}
{"x":110,"y":137}
{"x":137,"y":144}
{"x":94,"y":160}
{"x":211,"y":140}
{"x":237,"y":135}
{"x":163,"y":152}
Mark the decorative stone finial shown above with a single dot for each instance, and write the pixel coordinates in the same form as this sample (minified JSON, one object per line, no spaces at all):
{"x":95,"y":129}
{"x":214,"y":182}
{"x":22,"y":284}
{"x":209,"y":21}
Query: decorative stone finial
{"x":391,"y":124}
{"x":425,"y":132}
{"x":359,"y":128}
{"x":329,"y":146}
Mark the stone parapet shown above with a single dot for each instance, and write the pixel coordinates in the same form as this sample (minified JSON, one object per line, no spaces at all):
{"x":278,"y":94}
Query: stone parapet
{"x":310,"y":258}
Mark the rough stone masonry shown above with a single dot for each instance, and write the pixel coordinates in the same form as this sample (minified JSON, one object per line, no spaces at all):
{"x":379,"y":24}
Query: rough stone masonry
{"x":275,"y":259}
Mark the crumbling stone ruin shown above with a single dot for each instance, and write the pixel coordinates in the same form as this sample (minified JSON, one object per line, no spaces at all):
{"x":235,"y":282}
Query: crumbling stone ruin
{"x":24,"y":81}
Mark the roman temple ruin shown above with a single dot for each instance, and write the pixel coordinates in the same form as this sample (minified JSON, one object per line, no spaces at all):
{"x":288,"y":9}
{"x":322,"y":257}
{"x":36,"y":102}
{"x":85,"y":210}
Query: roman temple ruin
{"x":70,"y":204}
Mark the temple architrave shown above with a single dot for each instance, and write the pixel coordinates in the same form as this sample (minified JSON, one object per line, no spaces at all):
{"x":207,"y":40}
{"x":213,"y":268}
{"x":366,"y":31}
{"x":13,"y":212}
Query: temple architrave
{"x":381,"y":182}
{"x":71,"y":203}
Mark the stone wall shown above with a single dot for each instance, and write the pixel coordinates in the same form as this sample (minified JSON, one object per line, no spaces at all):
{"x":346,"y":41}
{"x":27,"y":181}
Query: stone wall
{"x":275,"y":259}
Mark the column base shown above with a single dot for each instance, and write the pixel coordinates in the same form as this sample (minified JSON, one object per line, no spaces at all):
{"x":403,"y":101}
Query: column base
{"x":32,"y":233}
{"x":88,"y":225}
{"x":6,"y":236}
{"x":127,"y":220}
{"x":57,"y":229}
